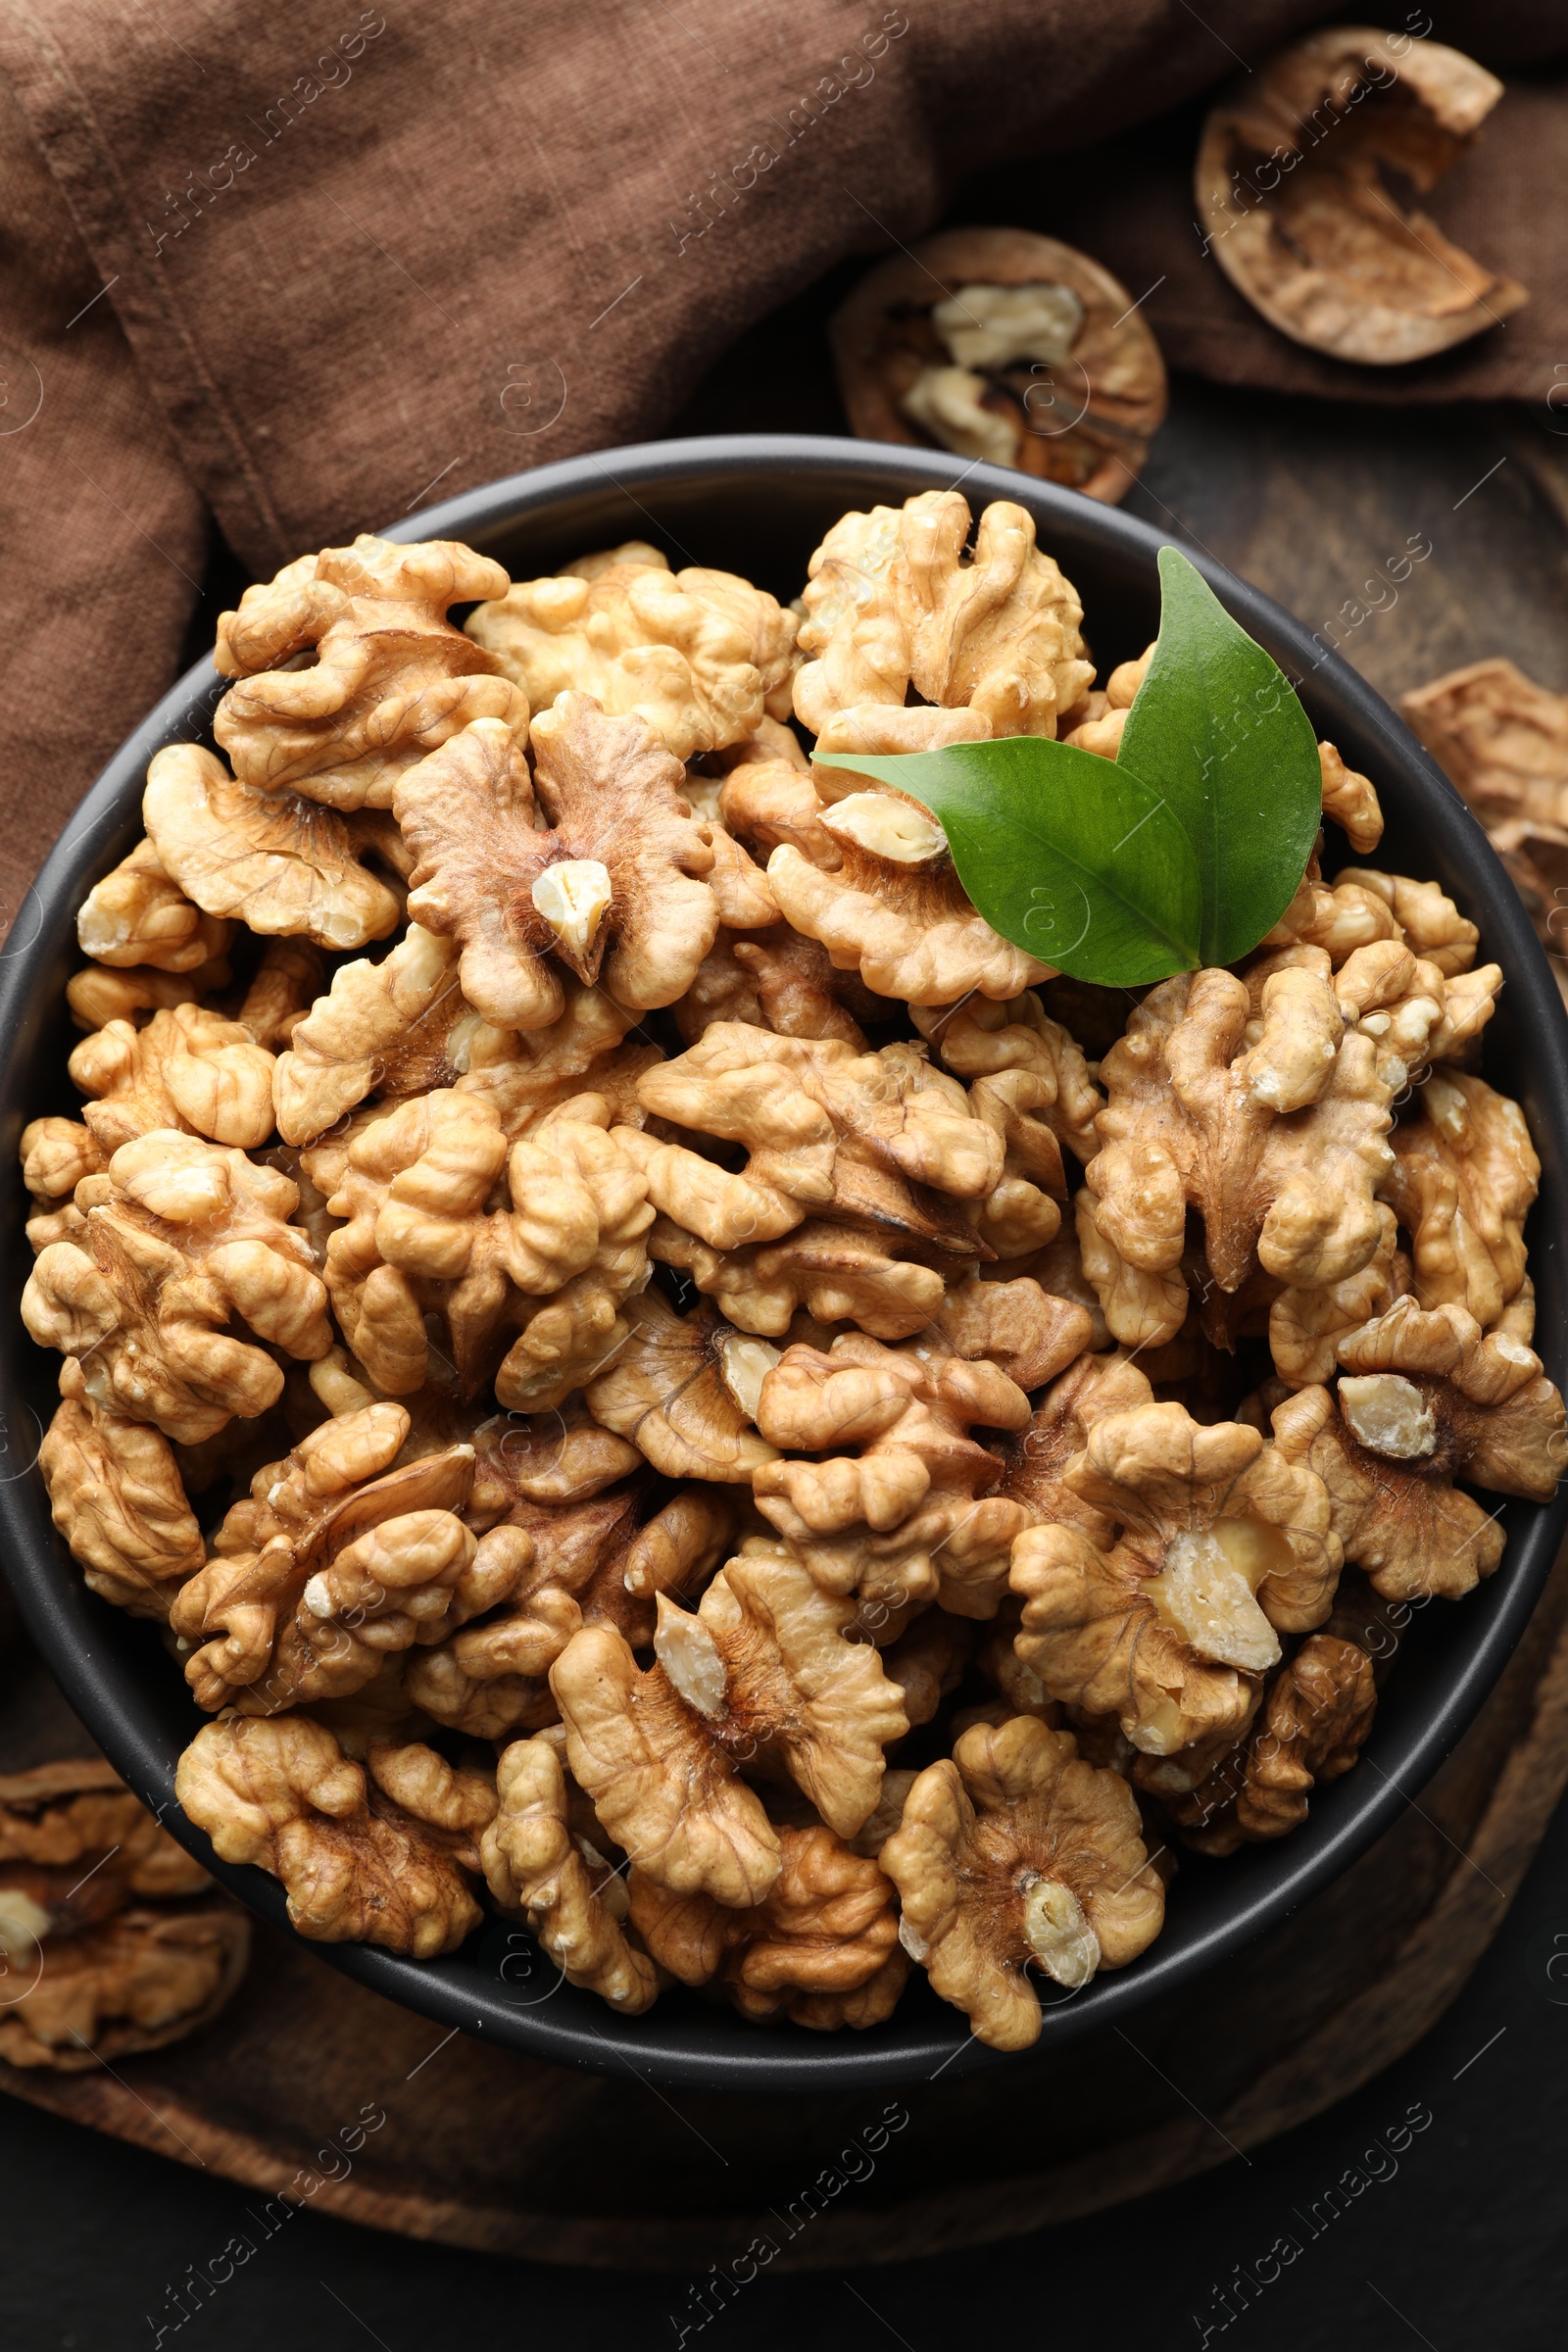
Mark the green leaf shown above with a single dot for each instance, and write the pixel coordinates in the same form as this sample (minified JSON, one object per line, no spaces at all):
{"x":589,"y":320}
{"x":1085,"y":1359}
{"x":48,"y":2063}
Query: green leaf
{"x":1216,"y":728}
{"x":1071,"y":857}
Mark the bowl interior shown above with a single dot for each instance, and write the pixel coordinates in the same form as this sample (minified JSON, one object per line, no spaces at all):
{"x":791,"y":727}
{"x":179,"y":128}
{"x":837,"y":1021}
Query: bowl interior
{"x":759,"y":506}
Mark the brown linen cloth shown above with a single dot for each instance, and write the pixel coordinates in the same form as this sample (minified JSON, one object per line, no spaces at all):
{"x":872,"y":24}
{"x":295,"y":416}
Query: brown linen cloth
{"x":308,"y":270}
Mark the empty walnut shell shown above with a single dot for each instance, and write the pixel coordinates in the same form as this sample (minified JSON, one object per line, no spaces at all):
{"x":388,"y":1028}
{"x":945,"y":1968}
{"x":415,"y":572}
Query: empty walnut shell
{"x":1297,"y":213}
{"x":1000,"y":344}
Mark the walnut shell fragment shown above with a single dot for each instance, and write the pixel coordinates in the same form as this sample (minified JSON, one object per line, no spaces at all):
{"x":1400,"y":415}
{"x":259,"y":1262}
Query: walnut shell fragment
{"x":178,"y":1239}
{"x":616,"y":882}
{"x":699,"y":656}
{"x":822,"y":1947}
{"x":383,"y":1855}
{"x":390,"y":680}
{"x":112,"y":1939}
{"x":1000,"y":344}
{"x":279,"y":863}
{"x":1320,"y":242}
{"x":1223,"y":1540}
{"x":1423,"y":1400}
{"x":1019,"y":1854}
{"x":573,"y":1901}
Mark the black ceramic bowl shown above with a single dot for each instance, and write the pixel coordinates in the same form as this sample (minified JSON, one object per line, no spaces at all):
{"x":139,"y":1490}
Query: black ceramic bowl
{"x":758,"y":505}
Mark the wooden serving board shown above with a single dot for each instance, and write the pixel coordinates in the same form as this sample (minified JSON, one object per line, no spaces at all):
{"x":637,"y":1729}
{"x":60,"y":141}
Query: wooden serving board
{"x":481,"y":2148}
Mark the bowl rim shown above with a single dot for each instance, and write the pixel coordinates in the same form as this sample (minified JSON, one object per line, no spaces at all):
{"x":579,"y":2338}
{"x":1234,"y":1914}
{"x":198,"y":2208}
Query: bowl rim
{"x":707,"y":2051}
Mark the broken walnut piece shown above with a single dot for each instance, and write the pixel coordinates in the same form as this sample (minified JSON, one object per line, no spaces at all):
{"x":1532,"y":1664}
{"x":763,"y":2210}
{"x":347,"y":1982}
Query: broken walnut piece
{"x":894,"y":908}
{"x":1000,"y":344}
{"x":979,"y":1038}
{"x":100,"y":993}
{"x":115,"y":1496}
{"x":683,"y":1388}
{"x":891,"y":603}
{"x":112,"y":1940}
{"x":1019,"y":1854}
{"x":824,"y":1937}
{"x":1465,"y":1175}
{"x":601,"y":1560}
{"x":1425,"y":1398}
{"x":278,"y":863}
{"x":1223,"y":1541}
{"x":1329,"y":254}
{"x":781,"y":981}
{"x":700,"y":656}
{"x":762,"y":1665}
{"x":178,"y":1239}
{"x":548,"y":1271}
{"x":189,"y":1069}
{"x":830,"y":1272}
{"x":1035,"y":1456}
{"x":1502,"y":740}
{"x":1351,"y":799}
{"x":618,"y":881}
{"x":391,"y":677}
{"x":1305,"y":1325}
{"x":573,"y":1901}
{"x":381,"y":1855}
{"x":1313,"y":1724}
{"x":138,"y":915}
{"x":877,"y":1141}
{"x":333,"y":1561}
{"x":1277,"y":1145}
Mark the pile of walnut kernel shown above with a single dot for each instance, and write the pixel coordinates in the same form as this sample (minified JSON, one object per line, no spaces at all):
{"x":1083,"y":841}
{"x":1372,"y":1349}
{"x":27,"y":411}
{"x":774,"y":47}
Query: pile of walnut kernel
{"x":655,"y":1369}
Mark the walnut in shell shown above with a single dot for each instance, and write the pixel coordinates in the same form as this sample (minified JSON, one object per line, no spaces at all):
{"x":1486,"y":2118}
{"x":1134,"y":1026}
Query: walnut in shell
{"x":379,"y":1854}
{"x":1425,"y":1398}
{"x":1296,"y":208}
{"x":1000,"y":344}
{"x":699,"y":656}
{"x":179,"y":1239}
{"x":1019,"y":1854}
{"x":1223,"y":1541}
{"x":391,"y":677}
